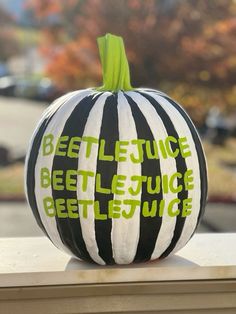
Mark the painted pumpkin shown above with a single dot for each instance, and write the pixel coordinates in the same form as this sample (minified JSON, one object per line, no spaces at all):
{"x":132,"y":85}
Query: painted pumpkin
{"x":116,"y":174}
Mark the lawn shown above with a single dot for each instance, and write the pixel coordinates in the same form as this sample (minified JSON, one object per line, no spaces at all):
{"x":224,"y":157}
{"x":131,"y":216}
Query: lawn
{"x":222,"y":170}
{"x":221,"y":162}
{"x":27,"y":36}
{"x":11,"y":181}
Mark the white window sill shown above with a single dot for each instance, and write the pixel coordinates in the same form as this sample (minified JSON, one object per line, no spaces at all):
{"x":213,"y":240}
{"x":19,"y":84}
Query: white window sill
{"x":36,"y":262}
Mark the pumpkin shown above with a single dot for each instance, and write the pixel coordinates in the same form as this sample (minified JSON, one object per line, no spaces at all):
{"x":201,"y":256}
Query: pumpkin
{"x":115,"y":174}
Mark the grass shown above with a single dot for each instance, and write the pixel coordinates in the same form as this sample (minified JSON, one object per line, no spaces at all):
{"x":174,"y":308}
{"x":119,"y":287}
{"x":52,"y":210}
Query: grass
{"x":221,"y":172}
{"x":222,"y":169}
{"x":12,"y":181}
{"x":27,"y":36}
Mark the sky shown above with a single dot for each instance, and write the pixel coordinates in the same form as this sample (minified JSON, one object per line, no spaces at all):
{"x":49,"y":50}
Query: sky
{"x":15,"y":7}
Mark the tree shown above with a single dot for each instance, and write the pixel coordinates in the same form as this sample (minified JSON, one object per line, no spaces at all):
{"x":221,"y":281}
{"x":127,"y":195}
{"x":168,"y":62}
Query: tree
{"x":187,"y":44}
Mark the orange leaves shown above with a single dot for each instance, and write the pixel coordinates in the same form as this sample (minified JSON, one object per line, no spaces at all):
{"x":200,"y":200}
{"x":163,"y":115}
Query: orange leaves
{"x":226,"y":26}
{"x":193,"y":46}
{"x":189,"y":43}
{"x":74,"y":65}
{"x":44,"y":8}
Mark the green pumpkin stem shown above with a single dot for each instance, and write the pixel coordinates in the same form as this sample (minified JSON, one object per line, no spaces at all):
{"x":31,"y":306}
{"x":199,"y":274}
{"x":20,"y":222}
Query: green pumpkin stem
{"x":115,"y":66}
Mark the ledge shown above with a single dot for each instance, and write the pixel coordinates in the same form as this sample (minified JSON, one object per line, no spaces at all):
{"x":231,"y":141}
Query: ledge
{"x":36,"y":262}
{"x":37,"y":278}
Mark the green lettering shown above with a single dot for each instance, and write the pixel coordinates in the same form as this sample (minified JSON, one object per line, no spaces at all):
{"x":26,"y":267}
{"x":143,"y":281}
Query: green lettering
{"x":174,"y":188}
{"x":169,"y":149}
{"x":90,"y":141}
{"x":57,"y":180}
{"x":133,"y":204}
{"x":119,"y":149}
{"x":162,"y":149}
{"x":165,"y":186}
{"x":186,"y":207}
{"x":117,"y":184}
{"x":114,"y":208}
{"x":140,"y":180}
{"x":84,"y":204}
{"x":150,"y":154}
{"x":161,"y":208}
{"x":184,"y":147}
{"x":97,"y":214}
{"x":98,"y":187}
{"x":172,"y":213}
{"x":157,"y":187}
{"x":73,"y":148}
{"x":47,"y":144}
{"x":188,"y":179}
{"x":101,"y":155}
{"x":139,"y":144}
{"x":45,"y":179}
{"x":48,"y":204}
{"x":72,"y":208}
{"x":60,"y":146}
{"x":70,"y":181}
{"x":85,"y":175}
{"x":146,"y":212}
{"x":60,"y":206}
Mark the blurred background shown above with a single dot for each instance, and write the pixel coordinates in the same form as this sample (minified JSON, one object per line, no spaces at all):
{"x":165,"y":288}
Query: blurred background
{"x":184,"y":48}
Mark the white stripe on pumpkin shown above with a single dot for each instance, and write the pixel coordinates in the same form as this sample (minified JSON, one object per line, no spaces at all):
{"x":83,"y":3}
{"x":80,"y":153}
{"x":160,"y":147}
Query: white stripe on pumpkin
{"x":192,"y":162}
{"x":46,"y":114}
{"x":125,"y":232}
{"x":166,"y":165}
{"x":92,"y":129}
{"x":55,"y":127}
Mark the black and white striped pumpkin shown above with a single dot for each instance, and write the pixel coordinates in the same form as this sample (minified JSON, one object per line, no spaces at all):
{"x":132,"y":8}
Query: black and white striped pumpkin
{"x":123,"y":117}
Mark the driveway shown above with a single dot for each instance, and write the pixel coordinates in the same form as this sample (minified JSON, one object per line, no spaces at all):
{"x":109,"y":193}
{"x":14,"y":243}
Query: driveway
{"x":18,"y":118}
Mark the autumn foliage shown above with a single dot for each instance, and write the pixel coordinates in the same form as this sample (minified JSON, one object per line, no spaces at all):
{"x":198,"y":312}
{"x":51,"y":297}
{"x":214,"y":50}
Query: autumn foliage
{"x":186,"y":48}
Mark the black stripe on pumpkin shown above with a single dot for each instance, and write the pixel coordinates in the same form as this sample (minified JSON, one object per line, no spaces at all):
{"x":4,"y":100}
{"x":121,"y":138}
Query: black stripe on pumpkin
{"x":30,"y":176}
{"x":69,"y":228}
{"x":107,"y":169}
{"x":201,"y":157}
{"x":180,"y":167}
{"x":149,"y":226}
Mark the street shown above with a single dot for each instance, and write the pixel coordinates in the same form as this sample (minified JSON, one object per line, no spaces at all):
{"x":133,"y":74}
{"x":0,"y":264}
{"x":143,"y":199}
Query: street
{"x":18,"y":118}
